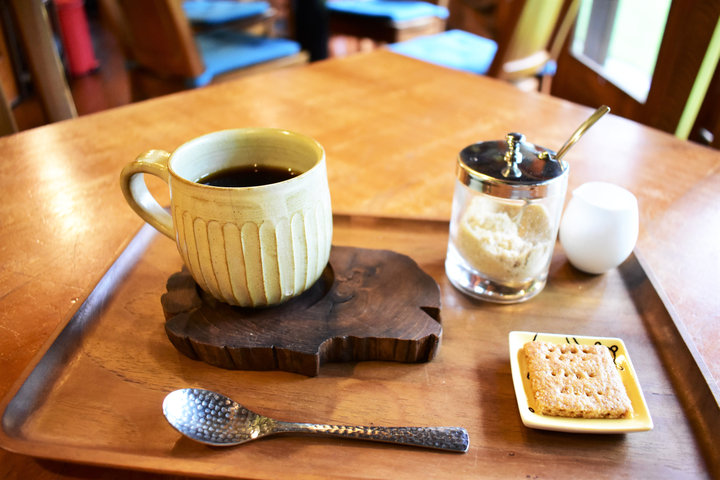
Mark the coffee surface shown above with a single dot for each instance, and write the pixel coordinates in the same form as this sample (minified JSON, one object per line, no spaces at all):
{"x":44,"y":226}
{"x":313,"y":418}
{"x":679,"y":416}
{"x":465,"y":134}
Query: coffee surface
{"x":248,"y":176}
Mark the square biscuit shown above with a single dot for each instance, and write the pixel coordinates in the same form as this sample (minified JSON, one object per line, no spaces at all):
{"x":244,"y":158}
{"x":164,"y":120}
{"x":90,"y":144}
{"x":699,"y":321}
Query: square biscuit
{"x":579,"y":381}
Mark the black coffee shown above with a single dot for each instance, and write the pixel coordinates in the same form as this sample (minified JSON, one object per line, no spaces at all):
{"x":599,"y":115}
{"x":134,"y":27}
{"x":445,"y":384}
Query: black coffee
{"x":248,"y":176}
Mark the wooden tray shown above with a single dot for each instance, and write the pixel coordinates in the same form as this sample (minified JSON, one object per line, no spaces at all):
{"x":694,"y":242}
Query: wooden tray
{"x":94,"y":394}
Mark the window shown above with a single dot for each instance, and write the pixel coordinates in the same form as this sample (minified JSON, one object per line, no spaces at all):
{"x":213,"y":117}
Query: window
{"x":620,"y":40}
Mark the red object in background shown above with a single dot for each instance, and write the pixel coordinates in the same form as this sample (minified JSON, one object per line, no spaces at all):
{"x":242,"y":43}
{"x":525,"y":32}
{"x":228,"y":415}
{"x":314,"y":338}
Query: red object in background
{"x":75,"y":34}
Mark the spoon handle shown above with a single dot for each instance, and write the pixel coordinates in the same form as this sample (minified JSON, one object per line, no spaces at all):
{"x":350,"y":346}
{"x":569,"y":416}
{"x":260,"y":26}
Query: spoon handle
{"x":581,"y":130}
{"x":443,"y":438}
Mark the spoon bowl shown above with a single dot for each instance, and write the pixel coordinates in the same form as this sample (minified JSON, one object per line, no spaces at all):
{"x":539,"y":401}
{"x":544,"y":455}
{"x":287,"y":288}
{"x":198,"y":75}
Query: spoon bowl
{"x":214,"y":419}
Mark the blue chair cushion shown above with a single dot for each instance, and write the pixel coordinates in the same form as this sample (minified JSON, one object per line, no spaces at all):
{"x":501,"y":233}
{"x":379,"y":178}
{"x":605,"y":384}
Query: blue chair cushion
{"x":549,"y":69}
{"x":396,"y":11}
{"x":454,"y":49}
{"x":216,"y":12}
{"x":227,"y":50}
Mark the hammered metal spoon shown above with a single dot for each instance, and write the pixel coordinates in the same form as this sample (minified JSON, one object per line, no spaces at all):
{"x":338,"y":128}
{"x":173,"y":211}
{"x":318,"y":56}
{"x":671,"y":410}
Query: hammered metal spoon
{"x":214,"y":419}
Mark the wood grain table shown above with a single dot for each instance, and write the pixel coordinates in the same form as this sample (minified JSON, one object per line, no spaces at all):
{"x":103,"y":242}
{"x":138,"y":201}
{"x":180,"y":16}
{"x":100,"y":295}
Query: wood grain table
{"x":392,"y":127}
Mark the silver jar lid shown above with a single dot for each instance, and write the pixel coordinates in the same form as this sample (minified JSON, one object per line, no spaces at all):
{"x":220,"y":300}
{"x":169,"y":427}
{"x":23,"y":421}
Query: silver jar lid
{"x":512,"y":168}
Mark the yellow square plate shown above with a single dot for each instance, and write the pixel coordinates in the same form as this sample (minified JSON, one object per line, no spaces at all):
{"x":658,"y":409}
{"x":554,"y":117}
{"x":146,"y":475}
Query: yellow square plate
{"x":640,"y":421}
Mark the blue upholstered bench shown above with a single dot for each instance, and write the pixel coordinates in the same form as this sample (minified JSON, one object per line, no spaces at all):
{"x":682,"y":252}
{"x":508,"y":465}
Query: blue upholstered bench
{"x":227,"y":50}
{"x":218,"y":12}
{"x":459,"y":50}
{"x":395,"y":11}
{"x":455,"y":49}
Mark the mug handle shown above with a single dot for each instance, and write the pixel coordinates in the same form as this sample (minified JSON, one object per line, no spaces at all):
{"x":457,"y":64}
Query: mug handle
{"x":132,"y":183}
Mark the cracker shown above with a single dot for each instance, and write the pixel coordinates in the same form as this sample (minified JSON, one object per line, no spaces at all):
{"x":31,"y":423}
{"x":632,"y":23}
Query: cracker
{"x":578,"y":381}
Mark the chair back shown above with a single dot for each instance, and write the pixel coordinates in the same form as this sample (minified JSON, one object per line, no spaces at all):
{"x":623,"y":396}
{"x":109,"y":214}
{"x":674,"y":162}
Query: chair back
{"x":531,"y":30}
{"x":8,"y":89}
{"x":158,"y":36}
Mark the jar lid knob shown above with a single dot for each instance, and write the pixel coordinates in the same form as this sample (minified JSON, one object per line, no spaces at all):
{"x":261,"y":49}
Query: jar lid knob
{"x":513,"y":155}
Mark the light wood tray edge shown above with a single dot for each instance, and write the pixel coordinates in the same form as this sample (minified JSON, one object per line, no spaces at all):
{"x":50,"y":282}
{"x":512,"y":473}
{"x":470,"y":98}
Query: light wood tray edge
{"x":674,"y":335}
{"x":694,"y":384}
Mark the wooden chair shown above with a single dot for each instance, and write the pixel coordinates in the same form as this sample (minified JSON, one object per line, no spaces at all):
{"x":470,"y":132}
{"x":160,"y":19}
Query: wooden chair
{"x":7,"y":119}
{"x":386,"y":21}
{"x":8,"y":89}
{"x":531,"y":35}
{"x":530,"y":42}
{"x":48,"y":76}
{"x":166,"y":55}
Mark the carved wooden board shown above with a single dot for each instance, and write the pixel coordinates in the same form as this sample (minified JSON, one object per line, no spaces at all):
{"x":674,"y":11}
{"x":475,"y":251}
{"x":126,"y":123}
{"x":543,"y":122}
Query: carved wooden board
{"x":368,"y":305}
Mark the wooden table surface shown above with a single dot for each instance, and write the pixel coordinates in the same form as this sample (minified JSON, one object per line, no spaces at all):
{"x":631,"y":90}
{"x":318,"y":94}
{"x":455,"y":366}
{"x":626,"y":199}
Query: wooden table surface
{"x":391,"y":126}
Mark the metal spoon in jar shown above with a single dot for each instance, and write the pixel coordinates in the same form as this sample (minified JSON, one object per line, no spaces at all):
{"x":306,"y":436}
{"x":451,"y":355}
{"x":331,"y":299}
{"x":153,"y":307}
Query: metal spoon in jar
{"x":581,"y":130}
{"x":214,"y":419}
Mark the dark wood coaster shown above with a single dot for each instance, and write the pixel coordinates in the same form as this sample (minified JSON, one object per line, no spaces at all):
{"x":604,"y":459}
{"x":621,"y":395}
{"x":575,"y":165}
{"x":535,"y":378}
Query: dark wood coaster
{"x":368,"y":305}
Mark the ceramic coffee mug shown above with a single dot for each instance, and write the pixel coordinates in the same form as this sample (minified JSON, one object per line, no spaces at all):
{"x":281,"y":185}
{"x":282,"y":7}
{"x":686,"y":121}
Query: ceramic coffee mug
{"x":249,"y":246}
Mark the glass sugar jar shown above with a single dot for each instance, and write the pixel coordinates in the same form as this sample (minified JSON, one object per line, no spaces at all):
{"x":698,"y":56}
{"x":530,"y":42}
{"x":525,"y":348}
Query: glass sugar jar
{"x":507,"y":205}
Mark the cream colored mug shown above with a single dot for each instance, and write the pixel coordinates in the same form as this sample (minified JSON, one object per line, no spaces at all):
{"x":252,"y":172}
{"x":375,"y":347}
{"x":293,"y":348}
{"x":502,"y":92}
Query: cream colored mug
{"x":249,"y":246}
